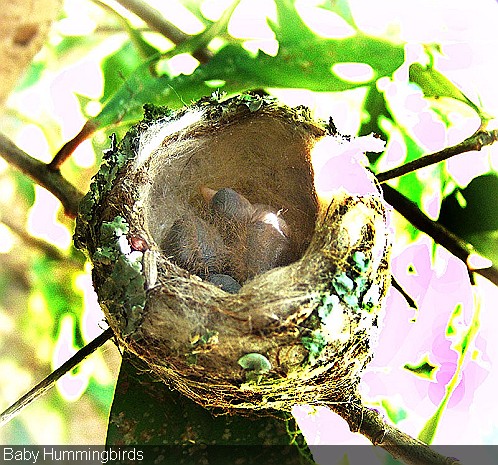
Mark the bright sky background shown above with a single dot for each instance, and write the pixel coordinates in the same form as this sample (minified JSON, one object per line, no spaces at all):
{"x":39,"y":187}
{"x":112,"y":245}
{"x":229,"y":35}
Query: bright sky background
{"x":466,"y":32}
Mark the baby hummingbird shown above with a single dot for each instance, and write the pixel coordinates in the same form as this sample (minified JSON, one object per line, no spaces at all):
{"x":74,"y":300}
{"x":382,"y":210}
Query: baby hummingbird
{"x":255,"y":235}
{"x":196,"y":245}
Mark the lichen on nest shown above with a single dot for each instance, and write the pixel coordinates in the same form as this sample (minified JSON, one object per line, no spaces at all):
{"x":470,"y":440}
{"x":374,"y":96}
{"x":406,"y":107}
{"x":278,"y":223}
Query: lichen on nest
{"x":222,"y":191}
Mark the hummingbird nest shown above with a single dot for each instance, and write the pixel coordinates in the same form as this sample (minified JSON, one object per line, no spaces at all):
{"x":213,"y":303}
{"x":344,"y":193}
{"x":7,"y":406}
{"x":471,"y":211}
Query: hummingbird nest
{"x":218,"y":263}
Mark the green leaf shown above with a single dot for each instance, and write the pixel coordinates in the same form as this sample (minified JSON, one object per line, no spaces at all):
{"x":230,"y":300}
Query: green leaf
{"x":376,"y":109}
{"x":477,"y":221}
{"x":341,"y":7}
{"x":481,"y":205}
{"x":32,"y":75}
{"x":117,"y":67}
{"x":435,"y":85}
{"x":486,"y":243}
{"x":461,"y":347}
{"x":424,"y":368}
{"x":25,"y":187}
{"x":304,"y":60}
{"x":146,"y":412}
{"x":55,"y":283}
{"x":395,"y":413}
{"x":194,"y":6}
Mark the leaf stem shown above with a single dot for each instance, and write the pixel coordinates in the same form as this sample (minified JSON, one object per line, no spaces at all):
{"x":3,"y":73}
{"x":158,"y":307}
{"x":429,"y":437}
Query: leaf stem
{"x":52,"y":180}
{"x":43,"y":386}
{"x":475,"y":142}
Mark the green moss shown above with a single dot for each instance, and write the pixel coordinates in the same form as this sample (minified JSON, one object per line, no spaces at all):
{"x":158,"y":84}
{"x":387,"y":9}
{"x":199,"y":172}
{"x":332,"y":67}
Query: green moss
{"x":155,"y":112}
{"x":256,"y":365}
{"x":361,"y":261}
{"x":354,"y":289}
{"x":328,"y":303}
{"x":314,"y":344}
{"x":113,"y":160}
{"x":124,"y":288}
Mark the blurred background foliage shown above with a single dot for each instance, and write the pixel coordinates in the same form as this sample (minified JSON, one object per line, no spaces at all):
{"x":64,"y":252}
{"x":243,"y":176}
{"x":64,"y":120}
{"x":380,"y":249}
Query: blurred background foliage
{"x":385,"y":67}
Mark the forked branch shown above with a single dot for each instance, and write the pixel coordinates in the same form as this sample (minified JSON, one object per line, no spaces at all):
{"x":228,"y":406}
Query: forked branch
{"x":39,"y":172}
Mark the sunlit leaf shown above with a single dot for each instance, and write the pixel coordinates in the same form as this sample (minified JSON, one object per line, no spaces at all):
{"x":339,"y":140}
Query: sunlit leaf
{"x":304,"y":60}
{"x":25,"y":188}
{"x":32,"y":76}
{"x":435,"y":85}
{"x":395,"y":413}
{"x":375,"y":108}
{"x":430,"y":428}
{"x":117,"y":66}
{"x":341,"y":7}
{"x":424,"y":369}
{"x":55,"y":284}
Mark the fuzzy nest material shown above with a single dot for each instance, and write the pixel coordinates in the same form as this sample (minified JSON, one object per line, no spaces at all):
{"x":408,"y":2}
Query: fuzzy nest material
{"x":216,"y":262}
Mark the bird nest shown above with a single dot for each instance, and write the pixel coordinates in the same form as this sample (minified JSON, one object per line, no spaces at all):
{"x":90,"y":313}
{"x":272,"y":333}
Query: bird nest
{"x":218,"y":263}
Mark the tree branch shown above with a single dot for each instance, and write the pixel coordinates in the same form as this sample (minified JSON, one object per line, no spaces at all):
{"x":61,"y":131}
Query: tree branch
{"x":371,"y":424}
{"x":45,"y":247}
{"x":156,"y":21}
{"x":43,"y":386}
{"x":439,"y":233}
{"x":475,"y":142}
{"x":42,"y":175}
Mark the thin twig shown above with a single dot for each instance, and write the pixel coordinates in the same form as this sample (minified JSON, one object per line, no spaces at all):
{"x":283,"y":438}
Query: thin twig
{"x":370,"y":423}
{"x":156,"y":21}
{"x":408,"y":298}
{"x":475,"y":142}
{"x":439,"y":233}
{"x":52,"y":180}
{"x":45,"y":247}
{"x":42,"y":387}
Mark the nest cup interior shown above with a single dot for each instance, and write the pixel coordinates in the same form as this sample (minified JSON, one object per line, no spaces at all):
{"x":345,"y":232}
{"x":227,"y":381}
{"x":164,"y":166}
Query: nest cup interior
{"x":261,"y":156}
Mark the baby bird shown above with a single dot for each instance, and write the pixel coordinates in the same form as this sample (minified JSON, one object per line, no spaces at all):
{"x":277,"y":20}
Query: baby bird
{"x":256,"y":236}
{"x":196,"y":245}
{"x":228,"y":204}
{"x":267,"y":243}
{"x":237,"y":241}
